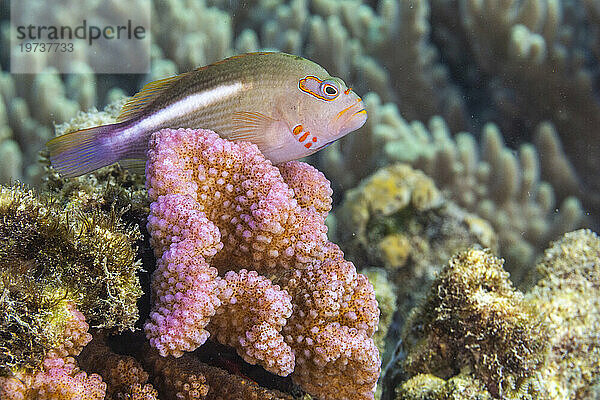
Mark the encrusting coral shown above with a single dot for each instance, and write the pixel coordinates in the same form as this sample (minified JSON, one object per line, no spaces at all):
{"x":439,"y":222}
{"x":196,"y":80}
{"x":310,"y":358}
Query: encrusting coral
{"x":48,"y":257}
{"x":186,"y":378}
{"x":568,"y":295}
{"x":220,"y":209}
{"x":475,"y":334}
{"x":473,"y":318}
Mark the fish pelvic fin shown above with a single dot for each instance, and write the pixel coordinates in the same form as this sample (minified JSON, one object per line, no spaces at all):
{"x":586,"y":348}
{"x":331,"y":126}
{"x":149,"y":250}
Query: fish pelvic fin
{"x":80,"y":152}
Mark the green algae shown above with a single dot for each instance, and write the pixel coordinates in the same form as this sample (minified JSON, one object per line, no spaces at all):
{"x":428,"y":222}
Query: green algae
{"x":49,"y":254}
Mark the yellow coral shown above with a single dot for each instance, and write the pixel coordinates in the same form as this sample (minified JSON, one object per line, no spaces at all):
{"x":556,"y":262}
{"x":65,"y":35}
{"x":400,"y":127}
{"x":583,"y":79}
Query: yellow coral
{"x":474,"y":318}
{"x":395,"y":249}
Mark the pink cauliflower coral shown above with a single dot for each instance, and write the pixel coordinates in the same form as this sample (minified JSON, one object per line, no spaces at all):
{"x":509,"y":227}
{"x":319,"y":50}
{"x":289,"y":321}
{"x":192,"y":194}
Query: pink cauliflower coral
{"x":244,"y":256}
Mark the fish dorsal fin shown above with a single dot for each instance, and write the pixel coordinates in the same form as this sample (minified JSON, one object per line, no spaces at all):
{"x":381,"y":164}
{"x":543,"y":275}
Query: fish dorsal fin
{"x":149,"y":92}
{"x":236,"y":57}
{"x":152,"y":90}
{"x":252,"y":127}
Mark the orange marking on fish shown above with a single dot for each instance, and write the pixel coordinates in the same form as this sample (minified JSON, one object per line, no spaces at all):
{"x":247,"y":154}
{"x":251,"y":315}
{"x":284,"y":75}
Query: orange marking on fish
{"x":303,"y":137}
{"x":347,"y":91}
{"x":339,"y":115}
{"x":307,"y":145}
{"x":297,"y":129}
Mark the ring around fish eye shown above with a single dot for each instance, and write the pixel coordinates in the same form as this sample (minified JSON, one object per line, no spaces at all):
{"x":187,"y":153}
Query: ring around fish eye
{"x":329,"y":89}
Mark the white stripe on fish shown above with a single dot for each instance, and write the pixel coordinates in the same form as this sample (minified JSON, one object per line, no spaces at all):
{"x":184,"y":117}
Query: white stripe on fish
{"x":187,"y":105}
{"x":191,"y":103}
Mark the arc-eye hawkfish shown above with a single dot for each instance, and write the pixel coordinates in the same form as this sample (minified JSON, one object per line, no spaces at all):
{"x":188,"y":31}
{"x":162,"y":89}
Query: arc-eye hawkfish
{"x":288,"y":106}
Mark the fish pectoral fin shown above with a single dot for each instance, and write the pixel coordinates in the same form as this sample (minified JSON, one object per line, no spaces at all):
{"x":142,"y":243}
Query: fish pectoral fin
{"x":253,"y":127}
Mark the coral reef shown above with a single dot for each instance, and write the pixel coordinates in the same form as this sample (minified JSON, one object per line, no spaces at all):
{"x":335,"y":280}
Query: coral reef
{"x":477,"y":336}
{"x":287,"y":300}
{"x":398,"y":220}
{"x":488,"y":180}
{"x":48,"y":257}
{"x":313,"y":315}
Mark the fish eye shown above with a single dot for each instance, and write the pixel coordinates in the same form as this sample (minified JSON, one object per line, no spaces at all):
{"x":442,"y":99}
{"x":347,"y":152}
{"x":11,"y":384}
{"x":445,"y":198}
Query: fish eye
{"x":329,"y":89}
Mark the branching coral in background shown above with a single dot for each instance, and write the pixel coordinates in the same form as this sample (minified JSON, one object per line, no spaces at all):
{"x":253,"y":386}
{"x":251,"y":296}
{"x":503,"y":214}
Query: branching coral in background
{"x":401,"y":44}
{"x":538,"y":64}
{"x":314,"y":315}
{"x":28,"y":117}
{"x":190,"y":34}
{"x":48,"y":256}
{"x":501,"y":188}
{"x":488,"y":180}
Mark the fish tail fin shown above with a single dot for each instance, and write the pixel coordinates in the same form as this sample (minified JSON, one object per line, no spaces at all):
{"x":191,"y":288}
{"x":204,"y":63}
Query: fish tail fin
{"x":77,"y":153}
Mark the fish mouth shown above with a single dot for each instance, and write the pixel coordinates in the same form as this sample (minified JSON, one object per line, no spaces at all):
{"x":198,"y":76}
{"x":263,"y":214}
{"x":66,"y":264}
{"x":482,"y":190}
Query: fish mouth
{"x":352,"y":118}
